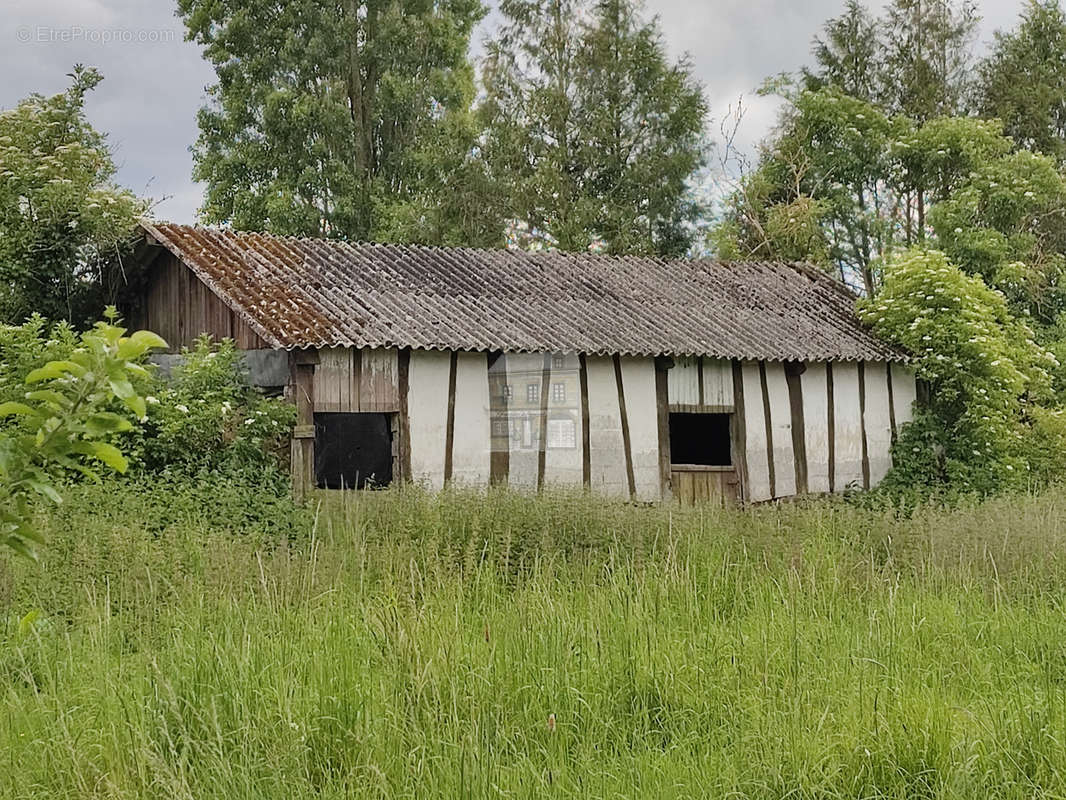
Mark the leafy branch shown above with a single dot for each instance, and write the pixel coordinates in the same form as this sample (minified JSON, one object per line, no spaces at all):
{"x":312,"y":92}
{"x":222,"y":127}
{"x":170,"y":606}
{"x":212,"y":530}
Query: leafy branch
{"x":63,"y":423}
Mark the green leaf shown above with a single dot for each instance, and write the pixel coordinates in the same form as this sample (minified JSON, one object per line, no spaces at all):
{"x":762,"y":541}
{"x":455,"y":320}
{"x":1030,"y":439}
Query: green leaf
{"x":55,"y":369}
{"x":107,"y":422}
{"x":45,"y":490}
{"x":101,"y":451}
{"x":140,"y":343}
{"x":27,"y":623}
{"x":122,"y":387}
{"x":12,"y":409}
{"x":19,"y":547}
{"x":51,"y":397}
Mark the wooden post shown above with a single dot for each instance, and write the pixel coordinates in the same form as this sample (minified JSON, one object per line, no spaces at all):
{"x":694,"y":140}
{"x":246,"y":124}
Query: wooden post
{"x":662,"y":407}
{"x":302,"y":374}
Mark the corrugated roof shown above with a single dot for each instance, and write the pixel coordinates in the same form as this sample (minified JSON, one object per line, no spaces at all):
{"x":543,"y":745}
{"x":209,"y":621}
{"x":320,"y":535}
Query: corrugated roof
{"x":300,"y":293}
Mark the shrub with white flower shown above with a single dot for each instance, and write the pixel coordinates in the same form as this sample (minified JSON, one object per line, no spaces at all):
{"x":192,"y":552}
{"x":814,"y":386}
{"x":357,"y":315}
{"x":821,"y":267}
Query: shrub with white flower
{"x":208,"y":418}
{"x":981,"y":365}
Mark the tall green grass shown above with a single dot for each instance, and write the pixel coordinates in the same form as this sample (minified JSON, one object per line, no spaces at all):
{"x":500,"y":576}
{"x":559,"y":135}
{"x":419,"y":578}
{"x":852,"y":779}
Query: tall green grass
{"x":401,"y":645}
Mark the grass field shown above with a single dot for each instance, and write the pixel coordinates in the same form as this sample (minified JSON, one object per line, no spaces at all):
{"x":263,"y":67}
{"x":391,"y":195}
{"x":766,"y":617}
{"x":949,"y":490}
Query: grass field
{"x":397,"y":645}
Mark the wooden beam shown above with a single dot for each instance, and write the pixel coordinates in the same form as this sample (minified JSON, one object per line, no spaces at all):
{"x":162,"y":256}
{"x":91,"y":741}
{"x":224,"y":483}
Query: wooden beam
{"x":499,"y":459}
{"x":691,"y":408}
{"x":739,"y":432}
{"x":891,"y":402}
{"x":662,"y":408}
{"x":862,"y":423}
{"x":586,"y":436}
{"x":831,"y":441}
{"x":449,"y":431}
{"x":627,"y":445}
{"x":793,"y":372}
{"x":302,"y":374}
{"x":403,"y":379}
{"x":769,"y":429}
{"x":545,"y":388}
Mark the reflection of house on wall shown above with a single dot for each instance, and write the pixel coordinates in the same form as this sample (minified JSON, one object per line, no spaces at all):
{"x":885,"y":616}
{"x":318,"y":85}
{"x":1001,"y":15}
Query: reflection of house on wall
{"x":535,"y":398}
{"x":634,"y":377}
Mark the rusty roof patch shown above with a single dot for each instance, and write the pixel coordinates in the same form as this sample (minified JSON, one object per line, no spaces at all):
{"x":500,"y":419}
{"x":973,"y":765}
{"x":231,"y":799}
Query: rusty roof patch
{"x":300,"y":293}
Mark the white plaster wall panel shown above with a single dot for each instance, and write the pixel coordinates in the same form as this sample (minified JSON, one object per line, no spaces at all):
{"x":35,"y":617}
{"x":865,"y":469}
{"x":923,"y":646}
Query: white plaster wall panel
{"x":638,"y":383}
{"x":847,"y":425}
{"x":471,"y":443}
{"x":877,"y":421}
{"x":683,"y":381}
{"x":816,"y":426}
{"x":427,"y":405}
{"x":563,"y":453}
{"x":904,"y":393}
{"x":717,"y":382}
{"x":781,"y":426}
{"x":524,"y":418}
{"x":755,"y":452}
{"x":606,"y":451}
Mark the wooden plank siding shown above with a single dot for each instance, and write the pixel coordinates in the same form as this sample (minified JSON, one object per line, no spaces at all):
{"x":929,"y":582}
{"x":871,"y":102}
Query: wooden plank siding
{"x":348,"y":380}
{"x":179,"y":307}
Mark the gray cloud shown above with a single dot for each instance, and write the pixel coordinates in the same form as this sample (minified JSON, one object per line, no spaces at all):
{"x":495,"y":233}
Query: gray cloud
{"x":154,"y":80}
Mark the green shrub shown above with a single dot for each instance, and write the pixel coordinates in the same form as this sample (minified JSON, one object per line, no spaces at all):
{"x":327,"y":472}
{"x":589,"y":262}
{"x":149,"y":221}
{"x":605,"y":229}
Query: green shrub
{"x":983,"y":368}
{"x":207,"y":420}
{"x":62,"y":422}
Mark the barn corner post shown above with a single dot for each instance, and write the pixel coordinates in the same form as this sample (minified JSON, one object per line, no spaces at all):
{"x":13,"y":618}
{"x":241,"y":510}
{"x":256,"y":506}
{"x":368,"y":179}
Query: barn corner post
{"x":302,"y":375}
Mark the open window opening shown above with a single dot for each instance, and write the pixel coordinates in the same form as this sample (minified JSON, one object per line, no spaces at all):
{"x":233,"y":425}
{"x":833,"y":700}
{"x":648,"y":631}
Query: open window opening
{"x":700,"y":439}
{"x":353,"y":451}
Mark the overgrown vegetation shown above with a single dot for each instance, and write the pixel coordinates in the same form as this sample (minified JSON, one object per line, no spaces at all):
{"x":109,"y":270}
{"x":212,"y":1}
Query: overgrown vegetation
{"x":65,"y":398}
{"x":205,"y":420}
{"x":891,"y":166}
{"x":62,"y":420}
{"x":395,"y":644}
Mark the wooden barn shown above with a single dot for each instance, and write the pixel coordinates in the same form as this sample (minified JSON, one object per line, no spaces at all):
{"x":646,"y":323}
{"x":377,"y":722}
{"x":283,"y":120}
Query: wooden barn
{"x":635,"y":377}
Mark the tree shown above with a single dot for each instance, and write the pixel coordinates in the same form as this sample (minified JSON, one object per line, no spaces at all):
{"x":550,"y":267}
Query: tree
{"x":61,"y":215}
{"x":591,"y":135}
{"x":842,"y":168}
{"x":1023,"y":80}
{"x":829,"y":169}
{"x":928,"y":46}
{"x":335,"y":118}
{"x":849,"y":55}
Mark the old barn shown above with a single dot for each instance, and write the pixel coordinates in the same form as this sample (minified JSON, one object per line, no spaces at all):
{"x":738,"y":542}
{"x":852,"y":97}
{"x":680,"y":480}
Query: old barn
{"x":636,"y":377}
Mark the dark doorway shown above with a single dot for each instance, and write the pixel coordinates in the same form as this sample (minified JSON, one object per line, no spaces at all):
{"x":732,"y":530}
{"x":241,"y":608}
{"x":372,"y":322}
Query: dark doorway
{"x":700,"y":439}
{"x":353,"y":451}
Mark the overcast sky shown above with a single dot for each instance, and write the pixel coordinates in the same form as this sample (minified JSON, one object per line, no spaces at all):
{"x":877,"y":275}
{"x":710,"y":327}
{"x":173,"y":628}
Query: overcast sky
{"x":154,"y":79}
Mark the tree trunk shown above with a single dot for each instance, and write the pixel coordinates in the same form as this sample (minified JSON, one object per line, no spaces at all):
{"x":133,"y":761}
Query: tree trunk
{"x":360,"y":114}
{"x":921,"y":215}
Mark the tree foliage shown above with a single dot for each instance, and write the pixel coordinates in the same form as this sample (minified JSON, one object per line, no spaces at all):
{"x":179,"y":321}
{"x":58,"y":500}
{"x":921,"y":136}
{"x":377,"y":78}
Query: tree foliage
{"x":591,"y":135}
{"x":1023,"y":80}
{"x":62,"y":217}
{"x":347,"y":119}
{"x":914,"y":60}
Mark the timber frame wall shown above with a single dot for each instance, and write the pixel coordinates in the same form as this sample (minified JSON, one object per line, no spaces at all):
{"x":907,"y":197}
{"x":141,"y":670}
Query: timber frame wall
{"x":796,"y":428}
